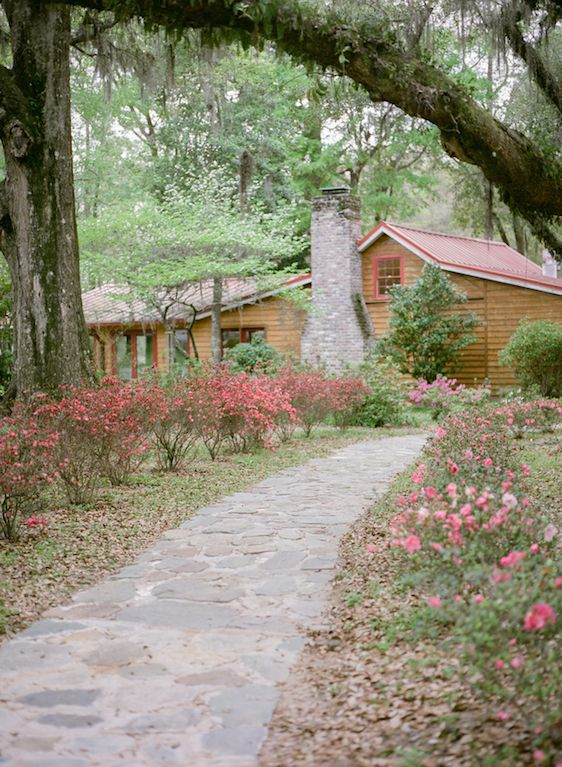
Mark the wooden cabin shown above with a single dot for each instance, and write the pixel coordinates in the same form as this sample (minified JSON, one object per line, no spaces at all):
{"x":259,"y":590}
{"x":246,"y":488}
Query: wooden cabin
{"x":502,"y":286}
{"x":350,"y":279}
{"x":131,"y":336}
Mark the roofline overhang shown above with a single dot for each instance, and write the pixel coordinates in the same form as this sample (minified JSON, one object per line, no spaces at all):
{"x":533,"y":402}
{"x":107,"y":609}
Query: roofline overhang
{"x":527,"y":282}
{"x":294,"y":282}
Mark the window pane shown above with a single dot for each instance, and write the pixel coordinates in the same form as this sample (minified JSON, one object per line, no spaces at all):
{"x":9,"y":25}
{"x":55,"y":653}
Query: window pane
{"x":230,"y":338}
{"x":145,"y":353}
{"x":180,"y":347}
{"x":388,"y":274}
{"x":123,"y":345}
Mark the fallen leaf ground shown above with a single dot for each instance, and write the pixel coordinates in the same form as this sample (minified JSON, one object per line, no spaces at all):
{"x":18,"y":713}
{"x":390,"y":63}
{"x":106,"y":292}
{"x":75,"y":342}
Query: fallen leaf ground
{"x":364,"y":695}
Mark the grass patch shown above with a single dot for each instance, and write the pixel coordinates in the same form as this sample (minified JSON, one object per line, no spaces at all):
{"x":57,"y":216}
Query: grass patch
{"x":85,"y":543}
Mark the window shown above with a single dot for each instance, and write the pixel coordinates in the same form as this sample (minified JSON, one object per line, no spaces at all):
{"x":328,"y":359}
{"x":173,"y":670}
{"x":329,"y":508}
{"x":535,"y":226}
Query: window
{"x":179,"y":347}
{"x":389,"y":271}
{"x":240,"y":336}
{"x":134,"y":354}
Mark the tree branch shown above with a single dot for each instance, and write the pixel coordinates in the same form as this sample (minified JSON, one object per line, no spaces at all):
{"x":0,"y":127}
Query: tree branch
{"x":373,"y":58}
{"x":549,"y":84}
{"x":90,"y":31}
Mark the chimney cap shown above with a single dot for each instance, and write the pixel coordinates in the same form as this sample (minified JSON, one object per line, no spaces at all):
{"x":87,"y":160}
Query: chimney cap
{"x":335,"y":190}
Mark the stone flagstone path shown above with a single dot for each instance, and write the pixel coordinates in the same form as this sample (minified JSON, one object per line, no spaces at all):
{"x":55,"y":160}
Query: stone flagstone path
{"x":174,"y":661}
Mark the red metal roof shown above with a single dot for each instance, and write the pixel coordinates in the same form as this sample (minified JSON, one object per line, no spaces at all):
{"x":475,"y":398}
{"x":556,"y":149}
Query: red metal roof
{"x":467,"y":255}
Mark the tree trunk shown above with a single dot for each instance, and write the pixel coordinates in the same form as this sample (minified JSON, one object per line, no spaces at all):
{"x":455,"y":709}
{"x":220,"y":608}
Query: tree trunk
{"x":216,"y":321}
{"x":38,"y":225}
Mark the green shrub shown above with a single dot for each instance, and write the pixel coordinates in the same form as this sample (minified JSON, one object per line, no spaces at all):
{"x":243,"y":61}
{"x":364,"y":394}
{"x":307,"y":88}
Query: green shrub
{"x":257,"y":355}
{"x":534,"y":352}
{"x":384,"y":404}
{"x":428,"y":329}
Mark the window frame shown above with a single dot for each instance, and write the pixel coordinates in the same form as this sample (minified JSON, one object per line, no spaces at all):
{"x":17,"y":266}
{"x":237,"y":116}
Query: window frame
{"x":244,"y":335}
{"x":376,"y":261}
{"x":134,"y":355}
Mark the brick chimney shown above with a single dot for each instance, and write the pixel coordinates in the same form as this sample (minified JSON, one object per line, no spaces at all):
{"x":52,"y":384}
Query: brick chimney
{"x":338,"y":330}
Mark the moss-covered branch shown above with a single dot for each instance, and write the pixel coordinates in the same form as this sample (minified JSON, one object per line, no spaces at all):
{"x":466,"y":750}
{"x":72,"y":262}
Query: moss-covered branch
{"x":371,"y":56}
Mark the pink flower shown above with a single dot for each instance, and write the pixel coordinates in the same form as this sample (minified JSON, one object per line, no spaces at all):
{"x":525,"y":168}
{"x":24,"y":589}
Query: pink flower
{"x":451,"y":489}
{"x":458,"y":598}
{"x":550,"y":532}
{"x":430,"y":492}
{"x":436,"y":546}
{"x":503,"y":716}
{"x":538,"y":616}
{"x":434,"y":601}
{"x":558,"y":582}
{"x":538,"y":756}
{"x":508,"y":499}
{"x":370,"y":548}
{"x":499,"y":665}
{"x":517,"y":662}
{"x":453,"y":468}
{"x":488,"y":462}
{"x":534,"y":548}
{"x":512,"y":642}
{"x":500,"y":577}
{"x":478,"y":598}
{"x":512,"y":559}
{"x":412,"y":544}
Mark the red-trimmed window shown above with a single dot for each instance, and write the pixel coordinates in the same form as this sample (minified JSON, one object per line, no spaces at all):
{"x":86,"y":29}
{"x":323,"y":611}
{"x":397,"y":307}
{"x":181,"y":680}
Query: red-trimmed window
{"x":240,"y":336}
{"x":134,"y":353}
{"x":389,"y":271}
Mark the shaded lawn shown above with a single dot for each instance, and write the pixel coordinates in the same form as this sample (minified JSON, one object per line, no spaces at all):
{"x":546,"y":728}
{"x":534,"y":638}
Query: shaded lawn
{"x":83,"y":544}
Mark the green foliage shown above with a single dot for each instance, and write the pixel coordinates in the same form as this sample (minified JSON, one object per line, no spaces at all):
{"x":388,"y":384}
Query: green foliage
{"x":427,"y":331}
{"x":384,"y":404}
{"x":534,"y":352}
{"x":253,"y":356}
{"x":184,"y":237}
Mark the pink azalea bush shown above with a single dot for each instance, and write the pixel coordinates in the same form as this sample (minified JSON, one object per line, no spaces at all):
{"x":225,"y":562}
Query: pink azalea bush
{"x":445,"y":395}
{"x":169,"y":420}
{"x":102,"y":434}
{"x":489,"y":559}
{"x":25,"y":470}
{"x":238,"y":409}
{"x":315,"y":396}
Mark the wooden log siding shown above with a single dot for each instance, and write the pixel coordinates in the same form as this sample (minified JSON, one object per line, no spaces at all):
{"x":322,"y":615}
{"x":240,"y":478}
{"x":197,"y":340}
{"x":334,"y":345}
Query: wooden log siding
{"x":283,"y":323}
{"x":499,"y":306}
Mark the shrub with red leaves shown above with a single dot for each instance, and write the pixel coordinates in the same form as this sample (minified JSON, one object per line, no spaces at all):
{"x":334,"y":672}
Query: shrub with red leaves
{"x":102,"y":434}
{"x":25,"y":469}
{"x":237,"y":408}
{"x":315,"y":396}
{"x":169,"y":419}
